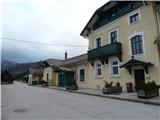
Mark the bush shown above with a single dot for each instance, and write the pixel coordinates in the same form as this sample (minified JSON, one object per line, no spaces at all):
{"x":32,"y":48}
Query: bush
{"x":108,"y":84}
{"x":118,"y":84}
{"x":43,"y":82}
{"x":147,"y":86}
{"x":111,"y":84}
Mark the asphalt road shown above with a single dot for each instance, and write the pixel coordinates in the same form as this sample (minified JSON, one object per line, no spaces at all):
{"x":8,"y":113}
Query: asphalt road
{"x":23,"y":102}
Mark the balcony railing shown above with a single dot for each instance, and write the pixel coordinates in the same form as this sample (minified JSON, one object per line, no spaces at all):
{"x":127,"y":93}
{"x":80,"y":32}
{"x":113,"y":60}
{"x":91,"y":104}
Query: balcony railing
{"x":102,"y":53}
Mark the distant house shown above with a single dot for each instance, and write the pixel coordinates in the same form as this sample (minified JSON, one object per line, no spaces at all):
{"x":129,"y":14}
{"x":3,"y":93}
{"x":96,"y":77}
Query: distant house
{"x":49,"y":74}
{"x":7,"y":77}
{"x":34,"y":76}
{"x":75,"y":68}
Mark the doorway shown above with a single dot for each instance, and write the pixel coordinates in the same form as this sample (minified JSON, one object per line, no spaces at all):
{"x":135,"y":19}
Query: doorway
{"x":139,"y":76}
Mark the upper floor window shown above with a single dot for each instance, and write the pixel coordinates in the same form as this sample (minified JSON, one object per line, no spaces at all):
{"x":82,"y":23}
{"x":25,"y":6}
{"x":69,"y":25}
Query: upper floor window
{"x":137,"y":45}
{"x":82,"y":74}
{"x":134,"y":18}
{"x":98,"y":42}
{"x":113,"y":36}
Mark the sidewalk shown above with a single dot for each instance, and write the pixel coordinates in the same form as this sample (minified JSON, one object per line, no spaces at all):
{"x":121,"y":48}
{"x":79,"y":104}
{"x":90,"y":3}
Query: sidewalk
{"x":123,"y":96}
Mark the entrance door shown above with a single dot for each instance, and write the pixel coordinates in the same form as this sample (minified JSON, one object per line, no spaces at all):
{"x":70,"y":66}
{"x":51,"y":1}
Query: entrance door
{"x":139,"y":76}
{"x":61,"y":81}
{"x":69,"y":78}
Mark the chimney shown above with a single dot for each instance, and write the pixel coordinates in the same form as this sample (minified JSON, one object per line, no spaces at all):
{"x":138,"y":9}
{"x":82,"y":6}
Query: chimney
{"x":65,"y":55}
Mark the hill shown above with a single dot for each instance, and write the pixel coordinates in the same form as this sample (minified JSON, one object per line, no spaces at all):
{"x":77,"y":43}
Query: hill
{"x":19,"y":69}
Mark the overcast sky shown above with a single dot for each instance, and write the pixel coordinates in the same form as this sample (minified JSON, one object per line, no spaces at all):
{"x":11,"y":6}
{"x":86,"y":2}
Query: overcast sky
{"x":45,"y":21}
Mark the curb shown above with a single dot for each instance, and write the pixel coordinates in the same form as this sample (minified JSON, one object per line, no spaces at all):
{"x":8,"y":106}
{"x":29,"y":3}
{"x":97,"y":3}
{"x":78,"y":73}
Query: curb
{"x":118,"y":98}
{"x":110,"y":97}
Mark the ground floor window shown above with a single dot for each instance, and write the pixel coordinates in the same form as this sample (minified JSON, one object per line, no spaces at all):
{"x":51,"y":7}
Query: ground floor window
{"x":114,"y":67}
{"x":99,"y":70}
{"x":82,"y":74}
{"x":47,"y":77}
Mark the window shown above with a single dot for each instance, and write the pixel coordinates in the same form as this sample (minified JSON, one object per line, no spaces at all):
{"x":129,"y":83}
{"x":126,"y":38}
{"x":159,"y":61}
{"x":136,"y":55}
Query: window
{"x":99,"y":70}
{"x":132,"y":6}
{"x":47,"y":76}
{"x":134,"y":18}
{"x":98,"y":42}
{"x":114,"y":67}
{"x":113,"y":14}
{"x":137,"y":45}
{"x":82,"y":74}
{"x":113,"y":36}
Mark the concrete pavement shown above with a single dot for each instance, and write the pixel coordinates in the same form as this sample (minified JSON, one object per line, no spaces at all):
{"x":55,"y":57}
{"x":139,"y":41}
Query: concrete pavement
{"x":132,"y":97}
{"x":23,"y":102}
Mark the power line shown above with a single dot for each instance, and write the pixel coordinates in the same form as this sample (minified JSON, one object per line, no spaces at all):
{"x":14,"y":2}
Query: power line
{"x":39,"y":43}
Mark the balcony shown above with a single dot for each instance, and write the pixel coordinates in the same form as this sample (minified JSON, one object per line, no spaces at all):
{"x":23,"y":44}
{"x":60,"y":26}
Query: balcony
{"x":102,"y":53}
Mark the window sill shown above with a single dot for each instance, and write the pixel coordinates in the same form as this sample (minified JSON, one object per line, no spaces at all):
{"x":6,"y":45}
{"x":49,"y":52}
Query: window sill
{"x":138,"y":55}
{"x":114,"y":76}
{"x":82,"y":81}
{"x":98,"y":77}
{"x":134,"y":22}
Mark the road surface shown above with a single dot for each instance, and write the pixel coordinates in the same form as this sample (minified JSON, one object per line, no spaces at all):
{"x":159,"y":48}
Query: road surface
{"x":23,"y":102}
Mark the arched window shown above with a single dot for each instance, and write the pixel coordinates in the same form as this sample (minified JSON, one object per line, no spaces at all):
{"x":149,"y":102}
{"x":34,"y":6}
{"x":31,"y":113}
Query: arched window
{"x":137,"y":45}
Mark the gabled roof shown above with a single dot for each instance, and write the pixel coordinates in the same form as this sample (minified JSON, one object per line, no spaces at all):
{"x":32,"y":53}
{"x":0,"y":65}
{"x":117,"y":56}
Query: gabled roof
{"x":7,"y":73}
{"x":52,"y":62}
{"x":36,"y":71}
{"x":76,"y":59}
{"x":95,"y":17}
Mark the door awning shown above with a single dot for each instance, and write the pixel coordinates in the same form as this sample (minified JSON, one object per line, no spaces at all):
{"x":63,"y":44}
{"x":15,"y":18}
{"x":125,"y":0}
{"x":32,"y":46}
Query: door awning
{"x":133,"y":62}
{"x":58,"y":69}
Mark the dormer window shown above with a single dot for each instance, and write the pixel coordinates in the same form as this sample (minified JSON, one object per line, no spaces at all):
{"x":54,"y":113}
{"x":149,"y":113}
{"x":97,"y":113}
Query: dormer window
{"x":132,"y":6}
{"x":113,"y":14}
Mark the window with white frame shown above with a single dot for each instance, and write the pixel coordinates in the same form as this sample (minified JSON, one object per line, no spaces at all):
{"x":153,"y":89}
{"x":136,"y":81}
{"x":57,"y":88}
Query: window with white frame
{"x":114,"y":67}
{"x":98,"y":41}
{"x":82,"y":74}
{"x":134,"y":18}
{"x":113,"y":36}
{"x":99,"y":70}
{"x":137,"y":45}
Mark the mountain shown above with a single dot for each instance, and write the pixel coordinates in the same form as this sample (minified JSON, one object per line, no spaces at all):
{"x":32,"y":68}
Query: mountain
{"x":19,"y":69}
{"x":6,"y":64}
{"x":24,"y":67}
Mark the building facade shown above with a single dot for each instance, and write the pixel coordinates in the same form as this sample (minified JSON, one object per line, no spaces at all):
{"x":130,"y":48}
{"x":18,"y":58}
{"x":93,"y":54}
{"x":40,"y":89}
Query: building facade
{"x":34,"y":76}
{"x":124,"y":43}
{"x":77,"y":69}
{"x":49,"y":74}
